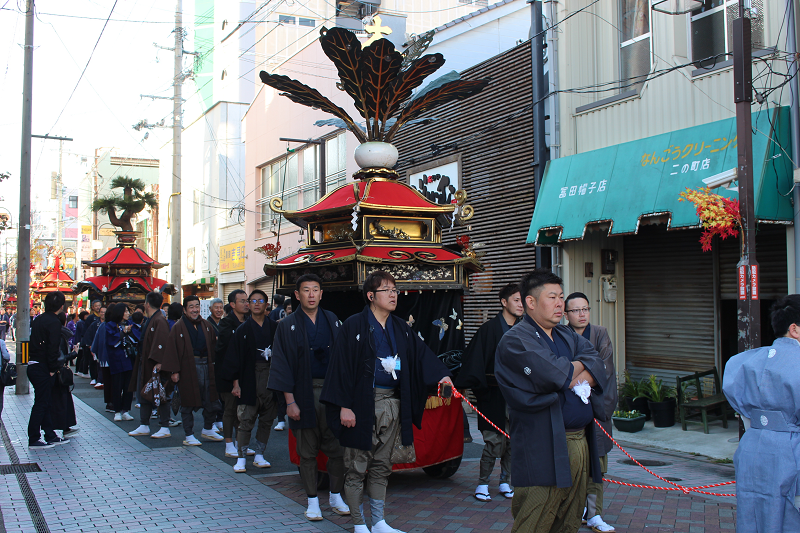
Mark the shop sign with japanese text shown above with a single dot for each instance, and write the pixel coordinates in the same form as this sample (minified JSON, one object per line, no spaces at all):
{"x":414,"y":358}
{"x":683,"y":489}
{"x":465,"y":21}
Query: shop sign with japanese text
{"x":231,"y":257}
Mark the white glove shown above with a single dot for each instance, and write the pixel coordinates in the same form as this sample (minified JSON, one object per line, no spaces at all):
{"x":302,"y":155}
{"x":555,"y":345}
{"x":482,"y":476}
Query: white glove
{"x":583,"y":390}
{"x":389,"y":365}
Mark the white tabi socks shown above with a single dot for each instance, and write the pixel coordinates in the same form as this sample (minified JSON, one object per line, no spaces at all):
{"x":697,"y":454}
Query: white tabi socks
{"x":337,"y":504}
{"x":379,"y":525}
{"x":313,"y":512}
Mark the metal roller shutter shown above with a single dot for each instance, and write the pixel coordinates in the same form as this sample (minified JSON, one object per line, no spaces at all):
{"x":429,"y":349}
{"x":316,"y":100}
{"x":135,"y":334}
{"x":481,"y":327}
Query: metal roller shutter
{"x":669,"y":303}
{"x":227,"y":288}
{"x":265,"y":284}
{"x":496,"y":172}
{"x":771,"y":257}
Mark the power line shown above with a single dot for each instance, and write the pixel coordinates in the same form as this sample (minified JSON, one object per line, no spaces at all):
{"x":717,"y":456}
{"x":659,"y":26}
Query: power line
{"x":86,"y":67}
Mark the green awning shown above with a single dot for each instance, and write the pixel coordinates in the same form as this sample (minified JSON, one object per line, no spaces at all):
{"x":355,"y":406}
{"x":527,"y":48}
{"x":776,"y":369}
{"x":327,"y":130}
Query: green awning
{"x":622,"y":184}
{"x":203,"y":281}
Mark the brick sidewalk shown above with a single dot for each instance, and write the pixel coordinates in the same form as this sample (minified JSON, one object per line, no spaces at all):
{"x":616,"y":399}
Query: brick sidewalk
{"x":105,"y":481}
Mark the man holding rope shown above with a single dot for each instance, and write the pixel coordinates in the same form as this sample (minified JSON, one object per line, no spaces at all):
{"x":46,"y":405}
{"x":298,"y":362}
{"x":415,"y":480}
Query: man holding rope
{"x":553,"y":381}
{"x":762,"y":386}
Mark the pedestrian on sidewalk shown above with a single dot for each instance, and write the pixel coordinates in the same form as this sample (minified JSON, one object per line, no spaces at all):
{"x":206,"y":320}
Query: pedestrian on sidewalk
{"x":85,"y":358}
{"x":240,"y":306}
{"x":174,"y":313}
{"x":89,"y":337}
{"x":45,"y":341}
{"x":100,"y":354}
{"x":762,"y":386}
{"x":578,"y":316}
{"x":62,"y":411}
{"x":120,"y":366}
{"x":553,"y":380}
{"x":216,"y":309}
{"x":247,"y":366}
{"x":191,"y":362}
{"x":12,"y":320}
{"x":5,"y":358}
{"x":375,"y":389}
{"x":3,"y":323}
{"x":151,"y":355}
{"x":300,"y":357}
{"x":477,"y":373}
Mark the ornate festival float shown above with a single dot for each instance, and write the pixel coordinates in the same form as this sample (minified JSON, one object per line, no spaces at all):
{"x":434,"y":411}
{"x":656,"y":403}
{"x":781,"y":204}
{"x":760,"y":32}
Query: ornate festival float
{"x":54,"y":280}
{"x":126,"y":272}
{"x":378,"y":222}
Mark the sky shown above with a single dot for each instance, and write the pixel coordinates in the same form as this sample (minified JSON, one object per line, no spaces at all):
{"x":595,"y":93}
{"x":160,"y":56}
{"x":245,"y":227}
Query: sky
{"x":105,"y":104}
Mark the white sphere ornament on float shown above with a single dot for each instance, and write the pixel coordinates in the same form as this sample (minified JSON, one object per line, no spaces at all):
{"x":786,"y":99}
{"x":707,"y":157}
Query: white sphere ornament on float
{"x":376,"y":154}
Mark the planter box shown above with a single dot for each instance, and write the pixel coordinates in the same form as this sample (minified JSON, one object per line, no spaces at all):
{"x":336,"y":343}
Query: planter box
{"x":663,"y":413}
{"x":629,"y":425}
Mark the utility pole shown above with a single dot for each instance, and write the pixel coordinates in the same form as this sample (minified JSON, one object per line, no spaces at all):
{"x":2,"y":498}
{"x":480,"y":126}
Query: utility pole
{"x":791,"y":49}
{"x":540,"y":153}
{"x":23,"y":320}
{"x":749,"y":303}
{"x":59,"y":184}
{"x":175,"y":258}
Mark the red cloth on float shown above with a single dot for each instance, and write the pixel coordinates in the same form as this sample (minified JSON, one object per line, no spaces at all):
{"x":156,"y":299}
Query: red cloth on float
{"x":440,"y":439}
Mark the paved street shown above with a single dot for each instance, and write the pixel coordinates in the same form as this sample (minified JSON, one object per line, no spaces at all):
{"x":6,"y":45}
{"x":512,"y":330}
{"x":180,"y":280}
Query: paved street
{"x":105,"y":481}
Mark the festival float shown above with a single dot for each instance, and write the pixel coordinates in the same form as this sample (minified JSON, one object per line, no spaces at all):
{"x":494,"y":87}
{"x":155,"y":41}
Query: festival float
{"x":378,"y":222}
{"x":54,"y":280}
{"x":126,"y":274}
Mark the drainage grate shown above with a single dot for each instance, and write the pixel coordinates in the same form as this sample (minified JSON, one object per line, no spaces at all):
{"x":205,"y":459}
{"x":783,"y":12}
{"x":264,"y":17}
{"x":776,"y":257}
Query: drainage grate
{"x":673,"y":479}
{"x":30,"y":498}
{"x":23,"y":468}
{"x":644,"y":462}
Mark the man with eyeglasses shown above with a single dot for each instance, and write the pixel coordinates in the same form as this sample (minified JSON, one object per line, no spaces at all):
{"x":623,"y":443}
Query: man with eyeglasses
{"x":577,"y":307}
{"x":375,"y":392}
{"x":301,"y":353}
{"x":191,"y":343}
{"x":247,"y":366}
{"x":477,"y":373}
{"x":240,"y":305}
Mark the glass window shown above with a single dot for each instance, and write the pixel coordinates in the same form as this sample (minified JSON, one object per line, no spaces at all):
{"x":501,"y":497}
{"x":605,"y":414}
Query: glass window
{"x":712,"y":30}
{"x":307,"y":22}
{"x":634,"y":49}
{"x":73,"y":202}
{"x":286,"y":19}
{"x":310,"y":176}
{"x":279,"y":179}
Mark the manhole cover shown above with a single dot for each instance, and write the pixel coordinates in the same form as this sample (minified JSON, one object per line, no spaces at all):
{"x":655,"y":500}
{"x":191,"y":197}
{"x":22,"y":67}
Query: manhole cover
{"x":644,"y":462}
{"x":19,"y":469}
{"x":673,"y":479}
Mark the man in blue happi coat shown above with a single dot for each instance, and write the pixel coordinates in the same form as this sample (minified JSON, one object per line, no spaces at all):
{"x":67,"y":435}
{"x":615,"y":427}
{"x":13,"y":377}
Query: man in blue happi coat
{"x":763,"y":386}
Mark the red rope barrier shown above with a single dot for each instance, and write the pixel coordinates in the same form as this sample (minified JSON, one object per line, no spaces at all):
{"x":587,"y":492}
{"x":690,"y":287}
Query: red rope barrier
{"x":675,"y":486}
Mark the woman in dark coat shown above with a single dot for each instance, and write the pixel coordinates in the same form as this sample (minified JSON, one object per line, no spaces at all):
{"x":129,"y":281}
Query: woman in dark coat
{"x":119,"y":364}
{"x":62,"y":406}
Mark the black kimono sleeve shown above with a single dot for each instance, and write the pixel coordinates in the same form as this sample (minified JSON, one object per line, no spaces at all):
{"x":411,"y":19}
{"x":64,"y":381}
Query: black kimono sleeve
{"x":431,"y":367}
{"x":343,"y":369}
{"x":232,"y":364}
{"x":529,"y":376}
{"x":282,"y":371}
{"x":472,"y":374}
{"x":587,"y":355}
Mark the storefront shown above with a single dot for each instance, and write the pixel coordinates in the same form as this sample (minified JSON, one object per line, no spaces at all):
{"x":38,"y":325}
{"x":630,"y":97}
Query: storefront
{"x":633,"y":247}
{"x":231,"y":269}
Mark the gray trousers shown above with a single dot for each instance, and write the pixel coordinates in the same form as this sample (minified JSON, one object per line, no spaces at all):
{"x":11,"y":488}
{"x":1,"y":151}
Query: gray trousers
{"x":374,"y":465}
{"x":311,"y":441}
{"x":264,"y":410}
{"x":495,"y":446}
{"x":209,"y":409}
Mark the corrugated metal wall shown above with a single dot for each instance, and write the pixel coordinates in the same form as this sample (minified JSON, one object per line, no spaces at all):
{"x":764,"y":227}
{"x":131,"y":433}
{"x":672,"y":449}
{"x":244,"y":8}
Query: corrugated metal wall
{"x":496,"y":172}
{"x":588,"y":42}
{"x":669,"y":303}
{"x":771,"y":257}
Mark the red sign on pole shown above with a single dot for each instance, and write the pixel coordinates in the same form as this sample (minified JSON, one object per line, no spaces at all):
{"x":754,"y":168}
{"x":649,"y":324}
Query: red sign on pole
{"x":754,"y":282}
{"x":742,"y":283}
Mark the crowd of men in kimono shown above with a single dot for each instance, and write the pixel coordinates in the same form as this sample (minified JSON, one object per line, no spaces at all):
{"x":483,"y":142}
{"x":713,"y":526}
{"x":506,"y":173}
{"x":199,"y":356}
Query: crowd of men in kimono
{"x":355,"y":390}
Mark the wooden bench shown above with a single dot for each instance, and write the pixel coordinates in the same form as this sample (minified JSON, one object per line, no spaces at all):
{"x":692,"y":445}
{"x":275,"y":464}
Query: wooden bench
{"x":702,"y":403}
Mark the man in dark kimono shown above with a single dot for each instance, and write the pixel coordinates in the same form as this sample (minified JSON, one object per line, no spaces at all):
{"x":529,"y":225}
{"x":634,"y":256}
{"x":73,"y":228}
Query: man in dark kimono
{"x":247,"y":366}
{"x":300,"y":357}
{"x":191,"y":363}
{"x":553,"y":380}
{"x":375,"y":389}
{"x":92,"y":323}
{"x":577,"y":308}
{"x":151,"y":355}
{"x":240,"y":306}
{"x":477,"y":373}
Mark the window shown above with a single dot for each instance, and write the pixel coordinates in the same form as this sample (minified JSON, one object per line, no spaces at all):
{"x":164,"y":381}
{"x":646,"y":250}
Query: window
{"x":634,"y":48}
{"x":73,"y":202}
{"x":307,"y":22}
{"x":295,"y":178}
{"x":712,"y":30}
{"x":286,"y":19}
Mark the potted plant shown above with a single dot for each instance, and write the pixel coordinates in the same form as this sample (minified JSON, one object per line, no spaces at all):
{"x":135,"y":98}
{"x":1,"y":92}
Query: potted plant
{"x":628,"y":421}
{"x":660,"y":400}
{"x":631,"y":398}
